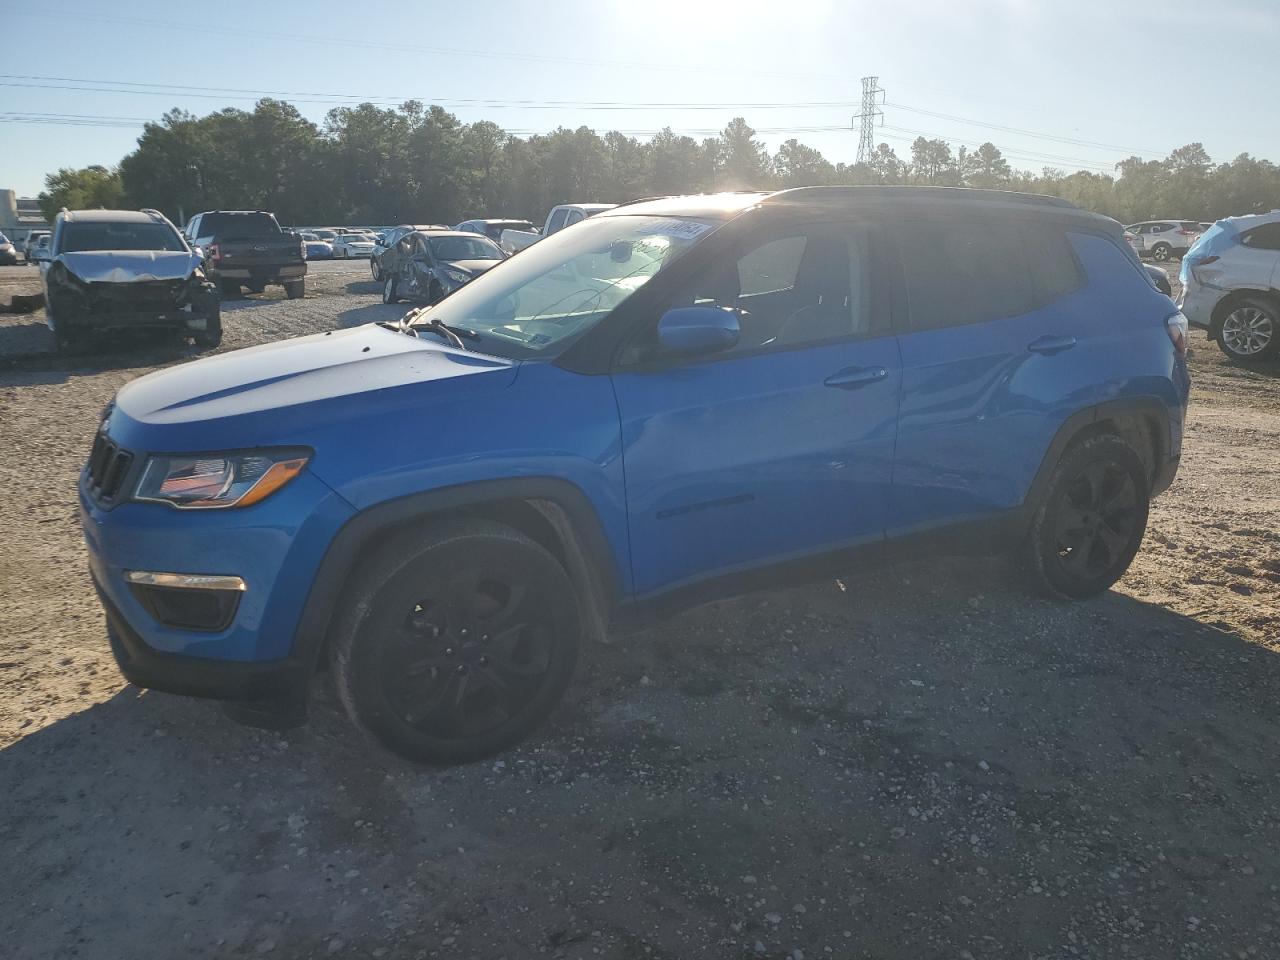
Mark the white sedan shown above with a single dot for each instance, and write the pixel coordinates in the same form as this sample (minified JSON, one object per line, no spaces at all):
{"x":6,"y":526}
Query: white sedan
{"x":349,"y":245}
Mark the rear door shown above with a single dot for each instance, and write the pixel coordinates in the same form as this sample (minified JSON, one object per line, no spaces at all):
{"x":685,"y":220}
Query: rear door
{"x":991,"y":347}
{"x":781,"y":447}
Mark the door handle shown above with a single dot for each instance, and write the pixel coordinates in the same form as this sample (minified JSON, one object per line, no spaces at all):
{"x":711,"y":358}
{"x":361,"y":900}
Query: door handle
{"x":851,"y":378}
{"x":1051,"y":345}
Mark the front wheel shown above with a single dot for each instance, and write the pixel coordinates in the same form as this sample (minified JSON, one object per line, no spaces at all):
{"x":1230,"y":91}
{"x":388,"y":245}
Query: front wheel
{"x":375,"y":269}
{"x":1088,"y":528}
{"x":389,"y":294}
{"x":211,"y":335}
{"x":1251,"y":331}
{"x":457,"y":642}
{"x":1161,"y":252}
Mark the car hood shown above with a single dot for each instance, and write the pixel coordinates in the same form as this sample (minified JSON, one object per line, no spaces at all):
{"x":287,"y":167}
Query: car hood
{"x":363,"y":370}
{"x":130,"y":266}
{"x":473,"y":267}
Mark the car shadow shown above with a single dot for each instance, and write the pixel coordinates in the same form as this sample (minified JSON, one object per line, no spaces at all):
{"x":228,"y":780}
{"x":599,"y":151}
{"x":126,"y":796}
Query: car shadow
{"x":364,"y":286}
{"x":912,"y":739}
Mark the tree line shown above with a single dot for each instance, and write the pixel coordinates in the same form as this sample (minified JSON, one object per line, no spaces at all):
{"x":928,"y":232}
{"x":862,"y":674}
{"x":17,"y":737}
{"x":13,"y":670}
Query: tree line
{"x":418,"y":163}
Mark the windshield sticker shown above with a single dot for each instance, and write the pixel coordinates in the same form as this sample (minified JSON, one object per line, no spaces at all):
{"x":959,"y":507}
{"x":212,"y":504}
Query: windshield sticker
{"x":681,"y":229}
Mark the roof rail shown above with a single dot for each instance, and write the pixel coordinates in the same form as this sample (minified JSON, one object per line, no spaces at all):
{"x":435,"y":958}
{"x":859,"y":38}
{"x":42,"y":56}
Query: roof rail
{"x":918,"y":192}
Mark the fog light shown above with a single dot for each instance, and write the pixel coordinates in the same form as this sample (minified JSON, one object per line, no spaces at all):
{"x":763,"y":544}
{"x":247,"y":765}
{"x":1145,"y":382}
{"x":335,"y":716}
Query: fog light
{"x":188,"y":601}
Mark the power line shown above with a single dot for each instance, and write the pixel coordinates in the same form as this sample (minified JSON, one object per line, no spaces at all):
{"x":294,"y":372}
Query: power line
{"x":166,"y":89}
{"x":347,"y":42}
{"x":1074,"y":141}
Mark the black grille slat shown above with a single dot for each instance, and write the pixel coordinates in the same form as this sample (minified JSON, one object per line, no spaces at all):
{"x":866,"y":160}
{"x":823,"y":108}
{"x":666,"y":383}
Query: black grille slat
{"x":108,"y":467}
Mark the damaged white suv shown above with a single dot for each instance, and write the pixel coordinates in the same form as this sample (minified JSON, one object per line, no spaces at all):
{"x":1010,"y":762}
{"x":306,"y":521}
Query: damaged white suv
{"x":111,"y":270}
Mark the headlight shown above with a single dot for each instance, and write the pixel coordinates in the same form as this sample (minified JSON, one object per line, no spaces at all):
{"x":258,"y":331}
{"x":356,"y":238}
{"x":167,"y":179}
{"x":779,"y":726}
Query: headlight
{"x":210,"y":480}
{"x":457,"y":276}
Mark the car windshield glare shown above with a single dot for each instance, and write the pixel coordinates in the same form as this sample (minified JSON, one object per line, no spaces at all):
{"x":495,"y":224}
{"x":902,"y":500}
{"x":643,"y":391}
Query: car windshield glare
{"x":464,"y":248}
{"x":544,"y":298}
{"x":80,"y":237}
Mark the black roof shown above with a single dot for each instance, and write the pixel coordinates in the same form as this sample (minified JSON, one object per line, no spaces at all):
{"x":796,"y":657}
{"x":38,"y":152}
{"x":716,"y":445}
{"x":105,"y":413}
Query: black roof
{"x":725,"y":206}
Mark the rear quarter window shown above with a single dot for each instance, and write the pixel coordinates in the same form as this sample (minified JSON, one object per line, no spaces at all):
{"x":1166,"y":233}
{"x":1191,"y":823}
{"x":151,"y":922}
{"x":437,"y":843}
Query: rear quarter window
{"x":964,"y":271}
{"x":1265,"y":237}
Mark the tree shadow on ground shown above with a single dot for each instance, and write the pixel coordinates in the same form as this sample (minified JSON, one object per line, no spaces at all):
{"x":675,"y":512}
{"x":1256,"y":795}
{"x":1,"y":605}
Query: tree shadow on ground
{"x":925,"y":741}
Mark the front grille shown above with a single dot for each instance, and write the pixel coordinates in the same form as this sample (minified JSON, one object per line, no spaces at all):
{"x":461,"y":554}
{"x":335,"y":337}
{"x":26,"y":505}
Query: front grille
{"x":148,"y":296}
{"x":108,"y":467}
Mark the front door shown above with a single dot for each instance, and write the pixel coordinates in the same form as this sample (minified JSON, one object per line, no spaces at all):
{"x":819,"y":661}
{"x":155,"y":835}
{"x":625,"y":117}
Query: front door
{"x":782,"y":446}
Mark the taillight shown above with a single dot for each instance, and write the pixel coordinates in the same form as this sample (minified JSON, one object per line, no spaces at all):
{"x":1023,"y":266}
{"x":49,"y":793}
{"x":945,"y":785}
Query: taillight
{"x":1187,"y":233}
{"x":214,"y":253}
{"x":1178,"y":328}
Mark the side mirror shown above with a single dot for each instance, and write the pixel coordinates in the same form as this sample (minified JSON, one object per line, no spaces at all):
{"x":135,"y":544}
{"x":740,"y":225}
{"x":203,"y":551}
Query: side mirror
{"x":695,"y":330}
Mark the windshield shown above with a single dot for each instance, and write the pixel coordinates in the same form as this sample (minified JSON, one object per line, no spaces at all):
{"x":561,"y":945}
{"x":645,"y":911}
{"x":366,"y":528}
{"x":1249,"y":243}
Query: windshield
{"x":464,"y":248}
{"x":540,"y":301}
{"x":79,"y":237}
{"x":238,"y":226}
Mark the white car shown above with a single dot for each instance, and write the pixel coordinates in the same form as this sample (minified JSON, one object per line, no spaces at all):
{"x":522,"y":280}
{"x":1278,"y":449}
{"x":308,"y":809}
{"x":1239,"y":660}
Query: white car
{"x":348,"y":245}
{"x":564,"y":215}
{"x":1162,"y":239}
{"x":1231,"y":285}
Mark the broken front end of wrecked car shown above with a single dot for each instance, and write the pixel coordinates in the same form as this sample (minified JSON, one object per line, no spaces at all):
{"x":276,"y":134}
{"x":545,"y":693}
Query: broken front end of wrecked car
{"x":100,"y":291}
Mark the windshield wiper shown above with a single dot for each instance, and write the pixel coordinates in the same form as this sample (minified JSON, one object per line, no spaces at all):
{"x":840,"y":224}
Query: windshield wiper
{"x":414,"y":320}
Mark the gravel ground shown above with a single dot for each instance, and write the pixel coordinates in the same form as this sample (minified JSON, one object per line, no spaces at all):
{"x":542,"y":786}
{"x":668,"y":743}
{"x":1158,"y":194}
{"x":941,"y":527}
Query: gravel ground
{"x":924,"y":763}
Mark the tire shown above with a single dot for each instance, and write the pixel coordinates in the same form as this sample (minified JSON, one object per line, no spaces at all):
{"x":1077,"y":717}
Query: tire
{"x":375,"y":269}
{"x":1251,"y":330}
{"x":1088,"y":528}
{"x":456,"y":642}
{"x":1161,"y":252}
{"x":211,"y":335}
{"x":257,"y":287}
{"x":230,"y":289}
{"x":435,"y":293}
{"x":295,"y":289}
{"x":389,"y":294}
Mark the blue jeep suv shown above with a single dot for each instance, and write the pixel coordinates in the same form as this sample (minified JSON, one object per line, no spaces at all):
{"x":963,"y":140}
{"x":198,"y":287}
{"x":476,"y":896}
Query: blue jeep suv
{"x":676,"y":399}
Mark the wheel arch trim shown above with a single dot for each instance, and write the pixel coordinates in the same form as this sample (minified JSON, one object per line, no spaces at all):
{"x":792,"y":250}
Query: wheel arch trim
{"x":565,"y":506}
{"x":1083,"y":422}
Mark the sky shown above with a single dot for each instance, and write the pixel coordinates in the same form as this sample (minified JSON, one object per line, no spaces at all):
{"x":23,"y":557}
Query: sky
{"x":1077,"y":85}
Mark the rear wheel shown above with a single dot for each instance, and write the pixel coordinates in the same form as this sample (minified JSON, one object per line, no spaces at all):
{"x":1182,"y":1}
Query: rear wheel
{"x":1161,"y":252}
{"x":456,"y":645}
{"x":1251,"y":331}
{"x":375,"y":269}
{"x":1090,"y":524}
{"x":230,"y":289}
{"x":295,"y":289}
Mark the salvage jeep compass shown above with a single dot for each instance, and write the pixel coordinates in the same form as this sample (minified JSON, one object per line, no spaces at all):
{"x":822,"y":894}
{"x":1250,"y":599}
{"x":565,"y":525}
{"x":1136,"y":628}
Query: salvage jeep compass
{"x":674,"y":400}
{"x":113,"y":270}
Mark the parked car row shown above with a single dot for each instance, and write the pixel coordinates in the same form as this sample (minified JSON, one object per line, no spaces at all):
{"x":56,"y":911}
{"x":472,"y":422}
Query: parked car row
{"x":1164,"y":239}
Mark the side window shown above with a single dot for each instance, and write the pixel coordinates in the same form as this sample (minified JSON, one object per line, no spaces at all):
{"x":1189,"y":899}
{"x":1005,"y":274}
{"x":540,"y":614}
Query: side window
{"x":1054,"y":267}
{"x":193,"y":228}
{"x":557,"y":221}
{"x":771,"y":268}
{"x":964,"y":271}
{"x":806,"y":286}
{"x":574,"y":217}
{"x":1265,"y":237}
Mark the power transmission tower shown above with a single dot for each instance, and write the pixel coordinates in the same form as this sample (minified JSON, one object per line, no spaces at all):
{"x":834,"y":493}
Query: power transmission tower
{"x":872,"y":97}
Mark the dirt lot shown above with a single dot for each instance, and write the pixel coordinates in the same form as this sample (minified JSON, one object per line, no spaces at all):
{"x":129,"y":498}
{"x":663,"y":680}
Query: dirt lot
{"x":928,"y":763}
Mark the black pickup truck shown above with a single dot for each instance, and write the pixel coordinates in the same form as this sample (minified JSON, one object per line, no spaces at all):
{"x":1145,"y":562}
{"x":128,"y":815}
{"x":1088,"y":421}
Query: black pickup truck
{"x":247,"y":248}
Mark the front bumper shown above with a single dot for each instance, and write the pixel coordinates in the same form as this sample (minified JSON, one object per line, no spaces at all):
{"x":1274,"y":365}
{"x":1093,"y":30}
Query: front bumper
{"x":274,"y":546}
